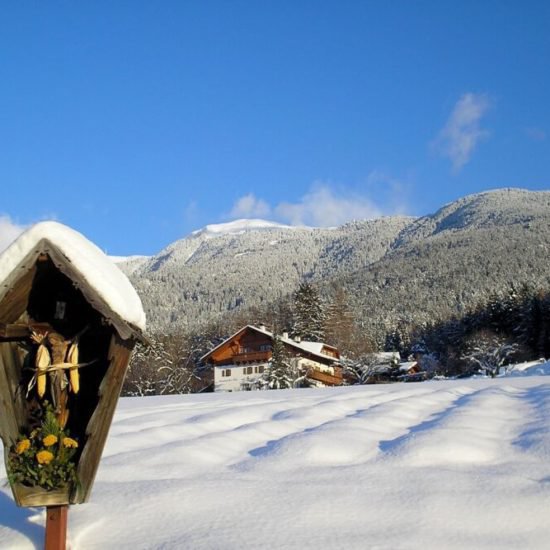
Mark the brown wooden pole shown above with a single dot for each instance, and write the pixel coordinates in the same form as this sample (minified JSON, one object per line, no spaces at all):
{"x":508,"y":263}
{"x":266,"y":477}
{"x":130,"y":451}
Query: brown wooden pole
{"x":56,"y":528}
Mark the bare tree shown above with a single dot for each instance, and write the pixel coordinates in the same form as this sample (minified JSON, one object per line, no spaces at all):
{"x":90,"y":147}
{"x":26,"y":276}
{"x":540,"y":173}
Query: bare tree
{"x":167,"y":366}
{"x":488,"y":351}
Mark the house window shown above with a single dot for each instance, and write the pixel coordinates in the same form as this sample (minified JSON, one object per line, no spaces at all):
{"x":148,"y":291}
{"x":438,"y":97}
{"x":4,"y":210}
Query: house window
{"x":259,"y":369}
{"x":247,"y":370}
{"x":226,"y":372}
{"x":245,"y":349}
{"x":265,"y":347}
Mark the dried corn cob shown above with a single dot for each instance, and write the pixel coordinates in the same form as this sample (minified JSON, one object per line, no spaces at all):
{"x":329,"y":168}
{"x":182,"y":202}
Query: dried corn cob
{"x":72,"y":357}
{"x":43,"y":361}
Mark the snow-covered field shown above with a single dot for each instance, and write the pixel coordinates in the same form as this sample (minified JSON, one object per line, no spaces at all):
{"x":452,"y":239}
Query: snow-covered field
{"x":442,"y":465}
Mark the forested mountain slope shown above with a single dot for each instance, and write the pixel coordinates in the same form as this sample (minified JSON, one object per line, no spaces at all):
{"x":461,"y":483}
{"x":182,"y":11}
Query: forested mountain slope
{"x":393,"y":268}
{"x":213,"y":272}
{"x":447,"y":262}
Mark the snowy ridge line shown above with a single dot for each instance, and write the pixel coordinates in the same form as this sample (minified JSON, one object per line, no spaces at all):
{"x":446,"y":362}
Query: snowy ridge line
{"x":240,"y":226}
{"x":121,"y":259}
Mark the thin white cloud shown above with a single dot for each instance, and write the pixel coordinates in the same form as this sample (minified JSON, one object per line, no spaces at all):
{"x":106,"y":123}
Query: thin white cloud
{"x":390,"y":191}
{"x":323,"y":207}
{"x":9,"y":231}
{"x":462,"y":133}
{"x":191,"y":212}
{"x":536,"y":134}
{"x":250,"y":206}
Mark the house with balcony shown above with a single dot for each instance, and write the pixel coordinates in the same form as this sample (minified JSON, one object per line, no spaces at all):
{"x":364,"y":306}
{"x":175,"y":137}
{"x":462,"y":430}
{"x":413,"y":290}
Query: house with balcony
{"x":239,"y":363}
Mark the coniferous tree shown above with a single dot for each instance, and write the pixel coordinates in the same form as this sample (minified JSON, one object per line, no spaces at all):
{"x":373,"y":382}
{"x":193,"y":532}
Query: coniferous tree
{"x":530,"y":323}
{"x":339,"y":324}
{"x":309,"y":316}
{"x":280,"y":373}
{"x":398,"y":339}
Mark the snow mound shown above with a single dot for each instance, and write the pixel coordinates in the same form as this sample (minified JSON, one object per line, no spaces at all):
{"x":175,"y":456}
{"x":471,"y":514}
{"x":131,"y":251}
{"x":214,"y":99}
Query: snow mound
{"x":530,"y":368}
{"x":451,"y":464}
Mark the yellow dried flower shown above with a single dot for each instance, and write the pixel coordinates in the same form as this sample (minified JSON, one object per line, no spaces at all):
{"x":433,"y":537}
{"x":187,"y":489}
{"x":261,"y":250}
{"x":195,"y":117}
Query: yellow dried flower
{"x":70,"y":442}
{"x":22,"y":446}
{"x":44,"y":457}
{"x":50,"y":440}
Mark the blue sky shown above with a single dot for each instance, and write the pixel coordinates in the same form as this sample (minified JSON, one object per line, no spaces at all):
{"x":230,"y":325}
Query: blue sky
{"x":137,"y":122}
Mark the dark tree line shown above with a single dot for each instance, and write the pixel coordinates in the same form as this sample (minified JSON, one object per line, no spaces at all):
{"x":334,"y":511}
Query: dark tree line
{"x":513,"y":325}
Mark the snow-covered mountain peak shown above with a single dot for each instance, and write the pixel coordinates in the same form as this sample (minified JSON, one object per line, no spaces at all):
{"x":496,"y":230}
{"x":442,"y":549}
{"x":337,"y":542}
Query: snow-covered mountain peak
{"x":238,"y":227}
{"x":124,"y":259}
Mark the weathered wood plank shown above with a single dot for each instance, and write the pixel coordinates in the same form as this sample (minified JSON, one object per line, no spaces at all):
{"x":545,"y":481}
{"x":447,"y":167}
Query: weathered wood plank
{"x":12,"y":403}
{"x":97,"y":430}
{"x":13,"y":331}
{"x":8,"y":423}
{"x":12,"y":412}
{"x":37,"y":496}
{"x":14,"y":303}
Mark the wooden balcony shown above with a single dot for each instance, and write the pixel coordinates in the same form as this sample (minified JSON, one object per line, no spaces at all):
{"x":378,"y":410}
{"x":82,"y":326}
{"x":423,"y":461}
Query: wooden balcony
{"x":325,"y":377}
{"x":252,"y":357}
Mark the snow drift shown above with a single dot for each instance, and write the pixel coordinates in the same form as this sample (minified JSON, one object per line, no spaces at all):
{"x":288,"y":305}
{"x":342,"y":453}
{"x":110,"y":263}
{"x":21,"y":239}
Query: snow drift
{"x":453,"y":464}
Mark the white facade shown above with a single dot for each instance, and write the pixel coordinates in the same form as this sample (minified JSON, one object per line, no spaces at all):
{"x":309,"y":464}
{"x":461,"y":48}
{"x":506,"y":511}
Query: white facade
{"x":248,"y":377}
{"x":239,"y":377}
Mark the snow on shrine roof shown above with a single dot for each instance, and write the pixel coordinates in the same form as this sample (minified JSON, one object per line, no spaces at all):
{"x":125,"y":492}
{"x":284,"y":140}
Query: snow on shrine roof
{"x":84,"y":259}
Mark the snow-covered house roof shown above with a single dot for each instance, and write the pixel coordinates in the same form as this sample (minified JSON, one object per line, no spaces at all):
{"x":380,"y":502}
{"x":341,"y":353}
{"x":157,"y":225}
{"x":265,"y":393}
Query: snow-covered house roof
{"x":101,"y":282}
{"x":312,"y":348}
{"x":384,"y":357}
{"x":407,"y":366}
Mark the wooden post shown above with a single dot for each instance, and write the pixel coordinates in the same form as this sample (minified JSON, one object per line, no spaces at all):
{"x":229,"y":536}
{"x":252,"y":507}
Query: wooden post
{"x":56,"y":528}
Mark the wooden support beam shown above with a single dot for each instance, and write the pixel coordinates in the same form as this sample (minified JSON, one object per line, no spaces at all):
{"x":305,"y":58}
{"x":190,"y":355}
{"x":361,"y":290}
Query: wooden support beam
{"x":20,"y":331}
{"x":56,"y":528}
{"x":14,"y":331}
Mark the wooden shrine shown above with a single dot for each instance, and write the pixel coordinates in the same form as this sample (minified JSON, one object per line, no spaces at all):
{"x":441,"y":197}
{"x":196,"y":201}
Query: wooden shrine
{"x":69,"y":320}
